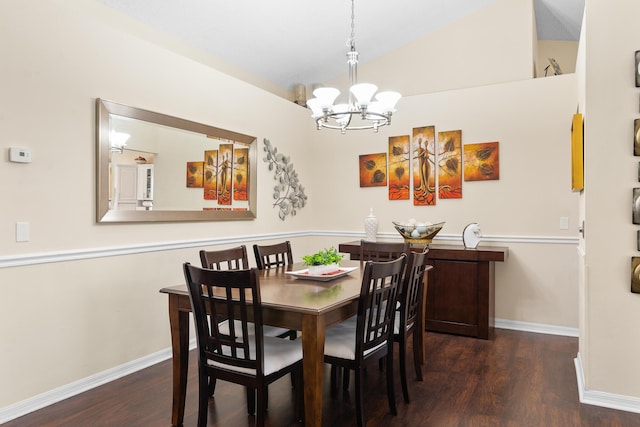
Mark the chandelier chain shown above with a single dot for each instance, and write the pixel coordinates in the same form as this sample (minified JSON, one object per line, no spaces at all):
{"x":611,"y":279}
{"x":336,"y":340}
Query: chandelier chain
{"x":352,"y":40}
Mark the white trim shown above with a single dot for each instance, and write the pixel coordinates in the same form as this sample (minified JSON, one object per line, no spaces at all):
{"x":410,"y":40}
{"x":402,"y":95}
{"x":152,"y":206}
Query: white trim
{"x":50,"y":397}
{"x":601,"y":398}
{"x":80,"y":254}
{"x":539,"y":328}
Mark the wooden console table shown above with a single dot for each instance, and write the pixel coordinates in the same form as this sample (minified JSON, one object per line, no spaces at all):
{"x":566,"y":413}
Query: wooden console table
{"x":460,"y":289}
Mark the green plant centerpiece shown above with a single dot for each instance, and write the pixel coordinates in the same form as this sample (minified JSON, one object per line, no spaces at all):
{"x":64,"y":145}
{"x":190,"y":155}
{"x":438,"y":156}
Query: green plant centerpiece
{"x":326,"y":261}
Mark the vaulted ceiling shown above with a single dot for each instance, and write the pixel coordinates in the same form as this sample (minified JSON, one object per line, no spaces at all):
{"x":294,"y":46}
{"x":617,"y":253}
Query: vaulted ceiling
{"x":304,"y":41}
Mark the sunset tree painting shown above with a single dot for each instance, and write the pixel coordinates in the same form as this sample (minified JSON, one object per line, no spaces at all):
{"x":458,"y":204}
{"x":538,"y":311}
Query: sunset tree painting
{"x":210,"y":172}
{"x":423,"y":154}
{"x":225,"y":172}
{"x":399,"y":179}
{"x":240,"y":173}
{"x":373,"y":170}
{"x":481,"y":161}
{"x":450,"y":164}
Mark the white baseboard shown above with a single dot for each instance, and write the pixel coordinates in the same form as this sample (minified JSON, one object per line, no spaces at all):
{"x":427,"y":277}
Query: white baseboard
{"x":600,"y":398}
{"x":40,"y":401}
{"x":539,"y":328}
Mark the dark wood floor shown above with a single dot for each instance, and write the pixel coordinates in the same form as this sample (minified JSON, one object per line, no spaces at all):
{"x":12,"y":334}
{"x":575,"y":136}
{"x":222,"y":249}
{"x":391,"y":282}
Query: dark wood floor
{"x":517,"y":379}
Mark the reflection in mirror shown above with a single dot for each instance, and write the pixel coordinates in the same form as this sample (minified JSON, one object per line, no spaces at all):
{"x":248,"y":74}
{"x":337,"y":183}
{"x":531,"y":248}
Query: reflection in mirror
{"x":153,"y":167}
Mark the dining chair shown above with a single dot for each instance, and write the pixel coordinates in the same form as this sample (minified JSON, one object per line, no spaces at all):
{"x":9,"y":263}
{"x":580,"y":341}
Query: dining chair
{"x":407,"y":316}
{"x":235,"y":355}
{"x":373,"y":251}
{"x":381,"y":251}
{"x":225,"y":259}
{"x":269,"y":256}
{"x":348,"y":346}
{"x":236,"y":259}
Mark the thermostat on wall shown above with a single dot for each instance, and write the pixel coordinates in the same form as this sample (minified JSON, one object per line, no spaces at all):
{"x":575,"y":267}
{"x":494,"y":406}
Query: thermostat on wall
{"x":19,"y":155}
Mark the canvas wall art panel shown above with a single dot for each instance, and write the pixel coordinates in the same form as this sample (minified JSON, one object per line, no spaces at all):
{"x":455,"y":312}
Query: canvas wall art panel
{"x":635,"y":275}
{"x":225,"y":171}
{"x":194,"y":174}
{"x":450,"y":164}
{"x":240,"y":173}
{"x":423,"y":154}
{"x":373,"y":170}
{"x":636,"y":137}
{"x":481,"y":161}
{"x":636,"y":206}
{"x":399,"y":178}
{"x":577,"y":156}
{"x":210,"y":174}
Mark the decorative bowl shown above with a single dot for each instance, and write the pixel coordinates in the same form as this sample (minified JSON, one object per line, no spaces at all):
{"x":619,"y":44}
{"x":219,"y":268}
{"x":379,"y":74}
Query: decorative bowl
{"x":419,"y":232}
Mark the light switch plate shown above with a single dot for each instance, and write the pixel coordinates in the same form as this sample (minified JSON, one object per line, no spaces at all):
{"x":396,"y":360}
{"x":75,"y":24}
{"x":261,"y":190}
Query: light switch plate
{"x":22,"y":231}
{"x":564,"y":223}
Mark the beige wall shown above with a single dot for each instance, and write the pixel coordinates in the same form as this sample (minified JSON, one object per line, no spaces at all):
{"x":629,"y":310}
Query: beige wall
{"x":612,"y":347}
{"x":63,"y":57}
{"x":94,"y":314}
{"x":472,"y":51}
{"x":521,"y":210}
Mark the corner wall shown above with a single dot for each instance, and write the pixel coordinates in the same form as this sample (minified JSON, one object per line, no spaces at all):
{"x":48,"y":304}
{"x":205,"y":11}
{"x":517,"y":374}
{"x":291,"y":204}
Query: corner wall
{"x":611,"y":172}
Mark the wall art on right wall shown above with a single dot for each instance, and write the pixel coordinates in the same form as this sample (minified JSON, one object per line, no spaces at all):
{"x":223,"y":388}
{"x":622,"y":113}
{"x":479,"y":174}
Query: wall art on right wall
{"x":636,"y":137}
{"x":636,"y":206}
{"x":635,"y":275}
{"x":636,"y":71}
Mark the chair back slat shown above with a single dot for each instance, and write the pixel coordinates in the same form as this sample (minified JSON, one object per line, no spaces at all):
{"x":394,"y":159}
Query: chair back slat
{"x":381,"y":251}
{"x":378,"y":297}
{"x":270,"y":256}
{"x":234,"y":295}
{"x":413,"y":287}
{"x":225,"y":259}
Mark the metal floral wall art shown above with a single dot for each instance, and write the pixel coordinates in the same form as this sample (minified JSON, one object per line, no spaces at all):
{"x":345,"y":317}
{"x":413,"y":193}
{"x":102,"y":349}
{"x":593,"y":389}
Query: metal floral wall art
{"x":288,"y":194}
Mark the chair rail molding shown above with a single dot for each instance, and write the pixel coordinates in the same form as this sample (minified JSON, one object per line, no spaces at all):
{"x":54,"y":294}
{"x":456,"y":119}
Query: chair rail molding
{"x":101,"y":252}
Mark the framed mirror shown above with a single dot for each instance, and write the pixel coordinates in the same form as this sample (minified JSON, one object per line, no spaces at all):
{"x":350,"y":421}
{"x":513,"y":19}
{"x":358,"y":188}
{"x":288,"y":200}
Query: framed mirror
{"x":157,"y":168}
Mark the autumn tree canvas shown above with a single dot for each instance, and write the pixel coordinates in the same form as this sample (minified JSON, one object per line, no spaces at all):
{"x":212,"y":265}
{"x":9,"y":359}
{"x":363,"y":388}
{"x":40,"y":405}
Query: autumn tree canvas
{"x":373,"y":170}
{"x":423,"y":153}
{"x":481,"y":161}
{"x":399,"y":178}
{"x":225,"y":169}
{"x":450,"y":164}
{"x":210,"y":172}
{"x":240,"y":173}
{"x":194,"y":174}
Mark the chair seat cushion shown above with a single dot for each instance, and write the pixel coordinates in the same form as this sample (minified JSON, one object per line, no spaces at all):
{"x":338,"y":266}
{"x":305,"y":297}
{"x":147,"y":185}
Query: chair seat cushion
{"x":268,"y":331}
{"x":340,"y":341}
{"x":278,"y":354}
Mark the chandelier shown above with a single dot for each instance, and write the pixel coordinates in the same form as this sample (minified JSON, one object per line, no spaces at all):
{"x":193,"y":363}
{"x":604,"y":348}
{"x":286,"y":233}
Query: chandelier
{"x":360,"y":111}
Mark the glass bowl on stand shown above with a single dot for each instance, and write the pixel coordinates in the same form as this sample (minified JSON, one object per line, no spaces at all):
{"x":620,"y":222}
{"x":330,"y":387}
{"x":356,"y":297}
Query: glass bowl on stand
{"x":418,"y":234}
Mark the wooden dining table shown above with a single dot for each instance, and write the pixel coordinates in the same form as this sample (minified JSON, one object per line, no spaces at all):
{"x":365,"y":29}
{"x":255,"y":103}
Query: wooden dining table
{"x":309,"y":306}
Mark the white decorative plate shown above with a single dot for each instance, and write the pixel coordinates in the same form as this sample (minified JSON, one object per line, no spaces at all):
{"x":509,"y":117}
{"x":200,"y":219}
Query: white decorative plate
{"x":304,"y":274}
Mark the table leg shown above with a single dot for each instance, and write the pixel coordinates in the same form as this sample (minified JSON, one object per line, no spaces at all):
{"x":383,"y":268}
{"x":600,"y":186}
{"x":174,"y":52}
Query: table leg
{"x":313,"y":333}
{"x":179,"y":322}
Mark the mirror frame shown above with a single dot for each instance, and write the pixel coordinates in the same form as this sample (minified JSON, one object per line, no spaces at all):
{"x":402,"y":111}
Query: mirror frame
{"x":104,"y":109}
